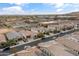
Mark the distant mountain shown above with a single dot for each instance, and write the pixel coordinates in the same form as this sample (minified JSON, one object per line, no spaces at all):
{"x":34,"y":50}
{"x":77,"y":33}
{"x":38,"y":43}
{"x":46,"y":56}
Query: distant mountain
{"x":74,"y":14}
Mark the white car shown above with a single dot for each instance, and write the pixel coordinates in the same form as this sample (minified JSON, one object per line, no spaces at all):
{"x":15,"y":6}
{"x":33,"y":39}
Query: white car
{"x":26,"y":47}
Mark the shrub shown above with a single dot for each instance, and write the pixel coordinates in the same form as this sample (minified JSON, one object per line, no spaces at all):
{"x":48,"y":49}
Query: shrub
{"x":8,"y":43}
{"x":11,"y":42}
{"x":56,"y":31}
{"x":3,"y":44}
{"x":64,"y":29}
{"x":40,"y":35}
{"x":47,"y":33}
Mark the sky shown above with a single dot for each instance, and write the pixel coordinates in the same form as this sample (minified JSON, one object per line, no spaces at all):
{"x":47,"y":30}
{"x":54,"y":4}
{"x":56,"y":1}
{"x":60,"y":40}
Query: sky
{"x":37,"y":8}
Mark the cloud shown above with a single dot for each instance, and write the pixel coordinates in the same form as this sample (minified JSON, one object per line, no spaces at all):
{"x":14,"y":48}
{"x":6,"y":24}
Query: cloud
{"x":59,"y":5}
{"x":66,"y":7}
{"x":59,"y":10}
{"x":55,"y":4}
{"x":51,"y":7}
{"x":12,"y":10}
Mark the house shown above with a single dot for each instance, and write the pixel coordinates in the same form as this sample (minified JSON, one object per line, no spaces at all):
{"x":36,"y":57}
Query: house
{"x":33,"y":51}
{"x":27,"y":33}
{"x":5,"y":30}
{"x":54,"y":49}
{"x":48,"y":23}
{"x":66,"y":17}
{"x":13,"y":35}
{"x":69,"y":43}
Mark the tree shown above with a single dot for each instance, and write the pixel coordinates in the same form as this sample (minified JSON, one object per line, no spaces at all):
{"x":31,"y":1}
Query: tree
{"x":45,"y":25}
{"x":7,"y":25}
{"x":46,"y":32}
{"x":56,"y":31}
{"x":8,"y":43}
{"x":3,"y":44}
{"x":64,"y":29}
{"x":40,"y":35}
{"x":55,"y":17}
{"x":11,"y":42}
{"x":69,"y":28}
{"x":50,"y":31}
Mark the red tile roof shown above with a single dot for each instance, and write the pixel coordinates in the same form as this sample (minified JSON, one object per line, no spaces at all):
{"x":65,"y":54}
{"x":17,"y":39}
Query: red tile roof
{"x":29,"y":52}
{"x":55,"y":49}
{"x":2,"y":38}
{"x":69,"y":43}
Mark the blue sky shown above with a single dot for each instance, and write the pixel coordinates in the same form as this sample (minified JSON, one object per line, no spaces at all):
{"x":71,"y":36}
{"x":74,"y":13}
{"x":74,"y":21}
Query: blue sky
{"x":37,"y":8}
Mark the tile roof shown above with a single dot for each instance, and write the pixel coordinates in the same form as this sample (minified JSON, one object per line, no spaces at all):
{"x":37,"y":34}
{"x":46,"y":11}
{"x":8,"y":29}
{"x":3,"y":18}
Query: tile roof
{"x":69,"y":43}
{"x":5,"y":30}
{"x":55,"y":48}
{"x":59,"y":51}
{"x":50,"y":22}
{"x":2,"y":38}
{"x":27,"y":33}
{"x":29,"y":52}
{"x":13,"y":35}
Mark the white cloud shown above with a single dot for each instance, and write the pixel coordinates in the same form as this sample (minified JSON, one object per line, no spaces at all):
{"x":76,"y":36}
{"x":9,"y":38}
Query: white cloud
{"x":17,"y":3}
{"x":58,"y":5}
{"x":59,"y":10}
{"x":12,"y":10}
{"x":75,"y":10}
{"x":18,"y":9}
